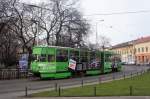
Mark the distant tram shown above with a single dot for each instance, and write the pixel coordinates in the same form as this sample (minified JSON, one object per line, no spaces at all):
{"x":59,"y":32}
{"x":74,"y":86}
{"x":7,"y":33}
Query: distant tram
{"x":63,"y":62}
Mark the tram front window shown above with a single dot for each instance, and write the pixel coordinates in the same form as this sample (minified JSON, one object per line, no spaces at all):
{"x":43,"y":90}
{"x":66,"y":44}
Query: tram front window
{"x":39,"y":58}
{"x":34,"y":57}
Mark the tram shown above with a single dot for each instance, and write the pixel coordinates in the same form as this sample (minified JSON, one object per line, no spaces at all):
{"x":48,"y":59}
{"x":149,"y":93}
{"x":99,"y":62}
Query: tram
{"x":62,"y":62}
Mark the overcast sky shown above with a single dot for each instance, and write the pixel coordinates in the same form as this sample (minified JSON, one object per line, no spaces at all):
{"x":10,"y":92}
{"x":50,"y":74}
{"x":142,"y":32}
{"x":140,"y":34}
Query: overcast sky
{"x":118,"y":27}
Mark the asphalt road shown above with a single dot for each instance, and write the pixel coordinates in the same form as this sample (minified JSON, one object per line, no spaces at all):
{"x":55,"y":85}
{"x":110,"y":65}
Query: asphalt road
{"x":14,"y":88}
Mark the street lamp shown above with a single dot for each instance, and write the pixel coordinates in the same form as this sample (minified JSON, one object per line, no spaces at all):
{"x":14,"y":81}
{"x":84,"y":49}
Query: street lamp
{"x":96,"y":31}
{"x":37,"y":26}
{"x":35,"y":21}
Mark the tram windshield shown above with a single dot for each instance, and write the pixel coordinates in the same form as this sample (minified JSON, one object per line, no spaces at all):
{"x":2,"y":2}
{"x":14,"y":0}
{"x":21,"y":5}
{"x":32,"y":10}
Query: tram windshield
{"x":39,"y":58}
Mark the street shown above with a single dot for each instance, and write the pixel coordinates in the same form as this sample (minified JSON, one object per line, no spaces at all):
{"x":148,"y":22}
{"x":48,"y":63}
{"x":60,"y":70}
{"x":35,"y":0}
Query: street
{"x":15,"y":88}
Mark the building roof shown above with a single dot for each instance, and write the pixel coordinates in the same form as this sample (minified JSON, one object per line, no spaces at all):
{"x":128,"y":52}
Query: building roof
{"x":129,"y":43}
{"x":142,"y":40}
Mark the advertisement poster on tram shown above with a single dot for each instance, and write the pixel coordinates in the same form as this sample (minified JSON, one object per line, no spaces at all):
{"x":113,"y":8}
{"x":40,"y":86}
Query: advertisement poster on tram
{"x":95,"y":63}
{"x":72,"y":64}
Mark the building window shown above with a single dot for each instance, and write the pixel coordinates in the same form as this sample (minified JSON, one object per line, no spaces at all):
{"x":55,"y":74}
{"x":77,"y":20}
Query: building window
{"x":131,"y":51}
{"x":142,"y":49}
{"x":138,"y":49}
{"x":146,"y":49}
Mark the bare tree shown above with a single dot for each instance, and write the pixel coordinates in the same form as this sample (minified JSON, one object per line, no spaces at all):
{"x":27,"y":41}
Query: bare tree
{"x":8,"y":40}
{"x":58,"y":20}
{"x":16,"y":28}
{"x":104,"y":42}
{"x":64,"y":25}
{"x":9,"y":47}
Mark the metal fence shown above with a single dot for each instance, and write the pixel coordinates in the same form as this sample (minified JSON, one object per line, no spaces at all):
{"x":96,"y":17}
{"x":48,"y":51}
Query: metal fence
{"x":8,"y":74}
{"x":59,"y":87}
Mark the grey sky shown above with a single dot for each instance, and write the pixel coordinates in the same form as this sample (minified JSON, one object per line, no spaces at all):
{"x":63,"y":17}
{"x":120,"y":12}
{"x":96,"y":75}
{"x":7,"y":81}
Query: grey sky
{"x":119,"y":28}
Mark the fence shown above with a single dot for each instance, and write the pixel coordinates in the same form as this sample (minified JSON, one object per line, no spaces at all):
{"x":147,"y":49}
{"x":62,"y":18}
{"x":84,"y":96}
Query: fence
{"x":59,"y":87}
{"x":131,"y":91}
{"x":7,"y":74}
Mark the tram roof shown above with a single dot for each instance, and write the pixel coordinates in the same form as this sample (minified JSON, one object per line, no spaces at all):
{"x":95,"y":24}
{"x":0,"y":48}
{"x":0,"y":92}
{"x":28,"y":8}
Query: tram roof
{"x":58,"y":47}
{"x":108,"y":52}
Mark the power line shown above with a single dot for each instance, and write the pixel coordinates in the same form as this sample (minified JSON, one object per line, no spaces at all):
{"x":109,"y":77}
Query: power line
{"x":120,"y":13}
{"x":113,"y":13}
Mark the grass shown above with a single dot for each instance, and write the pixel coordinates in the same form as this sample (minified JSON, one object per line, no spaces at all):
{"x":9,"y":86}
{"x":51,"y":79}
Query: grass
{"x":140,"y":87}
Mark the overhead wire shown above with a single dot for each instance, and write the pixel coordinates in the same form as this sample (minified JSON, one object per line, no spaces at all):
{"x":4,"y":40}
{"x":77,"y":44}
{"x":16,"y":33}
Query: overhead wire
{"x":120,"y":13}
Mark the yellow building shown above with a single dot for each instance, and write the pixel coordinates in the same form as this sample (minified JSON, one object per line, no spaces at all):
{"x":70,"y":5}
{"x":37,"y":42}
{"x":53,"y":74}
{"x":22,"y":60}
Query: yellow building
{"x":126,"y":50}
{"x":134,"y":52}
{"x":142,"y":50}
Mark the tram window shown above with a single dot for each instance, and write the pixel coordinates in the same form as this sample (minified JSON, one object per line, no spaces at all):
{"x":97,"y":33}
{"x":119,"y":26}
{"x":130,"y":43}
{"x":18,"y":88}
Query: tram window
{"x":62,"y":52}
{"x":76,"y":59}
{"x":74,"y":55}
{"x":42,"y":58}
{"x":34,"y":57}
{"x":92,"y":55}
{"x":98,"y":55}
{"x":84,"y":59}
{"x":107,"y":58}
{"x":51,"y":58}
{"x":61,"y":58}
{"x":62,"y":55}
{"x":83,"y":53}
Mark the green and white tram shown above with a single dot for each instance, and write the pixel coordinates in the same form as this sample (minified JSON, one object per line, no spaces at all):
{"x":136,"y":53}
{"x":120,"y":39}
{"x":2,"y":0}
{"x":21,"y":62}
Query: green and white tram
{"x":63,"y":62}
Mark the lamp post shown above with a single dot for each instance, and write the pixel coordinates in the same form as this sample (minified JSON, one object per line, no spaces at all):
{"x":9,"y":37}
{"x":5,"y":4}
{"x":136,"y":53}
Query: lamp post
{"x":97,"y":31}
{"x":37,"y":26}
{"x":35,"y":21}
{"x":37,"y":33}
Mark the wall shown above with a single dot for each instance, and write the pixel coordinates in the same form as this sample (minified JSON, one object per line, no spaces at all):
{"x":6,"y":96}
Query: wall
{"x":142,"y":53}
{"x":127,"y":54}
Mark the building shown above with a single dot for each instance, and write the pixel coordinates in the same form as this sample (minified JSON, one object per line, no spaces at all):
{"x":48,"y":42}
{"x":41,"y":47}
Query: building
{"x":135,"y":51}
{"x":142,"y":50}
{"x":126,"y":50}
